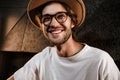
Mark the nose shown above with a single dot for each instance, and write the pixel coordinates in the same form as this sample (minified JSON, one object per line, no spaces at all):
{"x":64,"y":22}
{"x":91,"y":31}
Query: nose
{"x":54,"y":22}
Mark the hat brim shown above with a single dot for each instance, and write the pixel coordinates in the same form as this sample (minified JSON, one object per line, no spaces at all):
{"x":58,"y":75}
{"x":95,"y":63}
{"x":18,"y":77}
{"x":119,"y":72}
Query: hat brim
{"x":76,"y":5}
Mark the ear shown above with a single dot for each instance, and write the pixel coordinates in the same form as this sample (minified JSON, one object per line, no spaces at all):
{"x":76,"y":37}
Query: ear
{"x":74,"y":20}
{"x":72,"y":25}
{"x":38,"y":22}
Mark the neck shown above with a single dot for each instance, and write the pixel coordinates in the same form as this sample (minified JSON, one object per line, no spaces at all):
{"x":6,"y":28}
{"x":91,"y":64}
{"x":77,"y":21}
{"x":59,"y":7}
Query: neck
{"x":69,"y":48}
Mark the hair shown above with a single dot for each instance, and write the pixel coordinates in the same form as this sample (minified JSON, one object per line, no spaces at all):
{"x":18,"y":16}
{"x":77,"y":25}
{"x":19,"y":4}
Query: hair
{"x":72,"y":15}
{"x":68,"y":9}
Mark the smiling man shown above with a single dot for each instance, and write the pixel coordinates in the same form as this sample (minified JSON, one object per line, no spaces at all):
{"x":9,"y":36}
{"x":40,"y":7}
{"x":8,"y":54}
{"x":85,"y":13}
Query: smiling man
{"x":67,"y":59}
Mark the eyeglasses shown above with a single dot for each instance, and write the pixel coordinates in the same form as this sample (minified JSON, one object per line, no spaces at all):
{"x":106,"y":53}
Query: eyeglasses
{"x":60,"y":17}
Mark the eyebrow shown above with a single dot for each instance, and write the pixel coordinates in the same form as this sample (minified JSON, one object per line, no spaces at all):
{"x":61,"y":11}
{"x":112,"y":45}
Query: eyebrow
{"x":55,"y":13}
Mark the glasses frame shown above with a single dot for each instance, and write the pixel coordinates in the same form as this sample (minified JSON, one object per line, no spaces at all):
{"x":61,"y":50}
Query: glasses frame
{"x":55,"y":16}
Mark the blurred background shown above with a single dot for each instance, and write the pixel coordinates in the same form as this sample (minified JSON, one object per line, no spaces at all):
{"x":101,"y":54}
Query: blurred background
{"x":20,"y":40}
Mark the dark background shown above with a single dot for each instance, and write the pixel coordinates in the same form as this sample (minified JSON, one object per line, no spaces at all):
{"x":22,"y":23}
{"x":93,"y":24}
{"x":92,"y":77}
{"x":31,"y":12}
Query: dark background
{"x":20,"y":40}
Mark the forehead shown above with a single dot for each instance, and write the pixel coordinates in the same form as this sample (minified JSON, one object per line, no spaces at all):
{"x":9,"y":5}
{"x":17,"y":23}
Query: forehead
{"x":53,"y":8}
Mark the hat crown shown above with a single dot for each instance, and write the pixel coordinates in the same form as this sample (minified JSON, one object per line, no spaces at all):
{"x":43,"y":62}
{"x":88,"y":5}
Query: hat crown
{"x":76,"y":5}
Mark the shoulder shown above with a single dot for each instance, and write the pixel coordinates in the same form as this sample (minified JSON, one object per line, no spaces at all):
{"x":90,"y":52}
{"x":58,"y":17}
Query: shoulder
{"x":40,"y":57}
{"x":105,"y":63}
{"x":33,"y":65}
{"x":101,"y":58}
{"x":45,"y":52}
{"x":99,"y":54}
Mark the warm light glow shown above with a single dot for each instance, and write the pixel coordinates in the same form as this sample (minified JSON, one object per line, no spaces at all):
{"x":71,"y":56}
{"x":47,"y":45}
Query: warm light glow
{"x":10,"y":22}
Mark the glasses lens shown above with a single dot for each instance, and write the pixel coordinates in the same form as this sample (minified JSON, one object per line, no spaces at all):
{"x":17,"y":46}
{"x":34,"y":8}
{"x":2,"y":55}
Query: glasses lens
{"x":46,"y":20}
{"x":61,"y":17}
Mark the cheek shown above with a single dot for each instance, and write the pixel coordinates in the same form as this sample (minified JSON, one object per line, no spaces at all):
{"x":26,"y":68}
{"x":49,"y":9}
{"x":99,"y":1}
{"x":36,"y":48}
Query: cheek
{"x":45,"y":33}
{"x":43,"y":29}
{"x":70,"y":23}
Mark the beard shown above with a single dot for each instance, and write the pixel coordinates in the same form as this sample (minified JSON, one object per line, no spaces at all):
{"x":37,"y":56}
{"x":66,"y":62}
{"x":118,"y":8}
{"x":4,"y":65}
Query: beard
{"x":62,"y":38}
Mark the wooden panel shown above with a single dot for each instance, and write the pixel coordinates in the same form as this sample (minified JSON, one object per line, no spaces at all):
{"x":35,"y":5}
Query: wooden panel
{"x":24,"y":37}
{"x":100,"y":29}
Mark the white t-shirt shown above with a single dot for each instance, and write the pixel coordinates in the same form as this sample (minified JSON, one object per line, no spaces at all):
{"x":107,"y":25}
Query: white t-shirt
{"x":89,"y":64}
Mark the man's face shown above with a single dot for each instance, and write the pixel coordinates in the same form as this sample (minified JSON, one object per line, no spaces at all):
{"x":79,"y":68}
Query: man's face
{"x":56,"y":31}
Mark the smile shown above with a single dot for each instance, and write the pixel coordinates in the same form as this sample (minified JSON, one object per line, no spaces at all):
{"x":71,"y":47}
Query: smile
{"x":56,"y":32}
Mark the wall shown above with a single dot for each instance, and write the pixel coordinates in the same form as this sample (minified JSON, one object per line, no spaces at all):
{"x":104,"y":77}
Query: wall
{"x":100,"y":29}
{"x":16,"y":31}
{"x":17,"y":35}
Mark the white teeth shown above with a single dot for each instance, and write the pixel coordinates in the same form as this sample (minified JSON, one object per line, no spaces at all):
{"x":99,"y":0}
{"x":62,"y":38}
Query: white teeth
{"x":56,"y":32}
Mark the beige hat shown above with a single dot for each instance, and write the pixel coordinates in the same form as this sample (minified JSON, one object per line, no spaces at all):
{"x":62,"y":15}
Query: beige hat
{"x":76,"y":5}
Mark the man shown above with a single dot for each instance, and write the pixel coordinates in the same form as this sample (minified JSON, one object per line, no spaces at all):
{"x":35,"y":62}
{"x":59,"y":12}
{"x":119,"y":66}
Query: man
{"x":67,"y":59}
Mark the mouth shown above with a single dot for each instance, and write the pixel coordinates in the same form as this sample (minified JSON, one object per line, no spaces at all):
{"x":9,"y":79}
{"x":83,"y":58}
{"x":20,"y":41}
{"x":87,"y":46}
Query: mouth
{"x":56,"y":32}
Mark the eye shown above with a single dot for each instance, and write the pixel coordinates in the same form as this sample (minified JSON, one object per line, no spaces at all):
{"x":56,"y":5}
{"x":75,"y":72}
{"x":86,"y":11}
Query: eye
{"x":61,"y":16}
{"x":46,"y":19}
